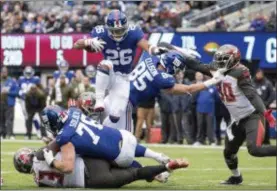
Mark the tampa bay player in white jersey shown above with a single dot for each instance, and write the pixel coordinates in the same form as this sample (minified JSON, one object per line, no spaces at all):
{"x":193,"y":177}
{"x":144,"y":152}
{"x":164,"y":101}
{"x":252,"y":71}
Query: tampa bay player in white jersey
{"x":244,"y":104}
{"x":118,"y":41}
{"x":87,"y":172}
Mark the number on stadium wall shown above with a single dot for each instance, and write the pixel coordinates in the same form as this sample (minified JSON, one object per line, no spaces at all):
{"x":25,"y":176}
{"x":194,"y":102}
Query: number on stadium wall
{"x":122,"y":57}
{"x":139,"y":75}
{"x":270,"y":50}
{"x":83,"y":127}
{"x":250,"y":40}
{"x":12,"y":58}
{"x":226,"y":92}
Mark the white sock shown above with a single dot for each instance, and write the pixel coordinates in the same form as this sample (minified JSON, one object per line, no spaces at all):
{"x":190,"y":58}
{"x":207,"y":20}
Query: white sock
{"x":152,"y":154}
{"x":235,"y":172}
{"x":101,"y":84}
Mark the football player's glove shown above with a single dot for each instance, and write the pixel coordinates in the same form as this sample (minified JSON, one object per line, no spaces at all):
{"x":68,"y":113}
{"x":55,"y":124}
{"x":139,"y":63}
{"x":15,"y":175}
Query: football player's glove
{"x":95,"y":44}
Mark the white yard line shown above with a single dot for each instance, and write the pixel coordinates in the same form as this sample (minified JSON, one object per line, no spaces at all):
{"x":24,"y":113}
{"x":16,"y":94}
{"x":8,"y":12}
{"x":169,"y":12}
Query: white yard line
{"x":148,"y":145}
{"x":224,"y":169}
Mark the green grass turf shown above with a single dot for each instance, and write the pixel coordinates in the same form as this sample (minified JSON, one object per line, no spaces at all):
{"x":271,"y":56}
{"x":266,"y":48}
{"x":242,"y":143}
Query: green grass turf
{"x":207,"y":169}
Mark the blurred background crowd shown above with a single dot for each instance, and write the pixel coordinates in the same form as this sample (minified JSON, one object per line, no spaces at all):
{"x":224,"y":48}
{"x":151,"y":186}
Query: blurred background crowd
{"x":152,"y":16}
{"x":194,"y":119}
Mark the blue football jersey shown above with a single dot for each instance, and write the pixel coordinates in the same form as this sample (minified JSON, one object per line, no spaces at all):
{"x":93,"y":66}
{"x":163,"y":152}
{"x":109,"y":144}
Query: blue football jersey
{"x":26,"y":83}
{"x":69,"y":75}
{"x":89,"y":137}
{"x":147,"y":81}
{"x":120,"y":53}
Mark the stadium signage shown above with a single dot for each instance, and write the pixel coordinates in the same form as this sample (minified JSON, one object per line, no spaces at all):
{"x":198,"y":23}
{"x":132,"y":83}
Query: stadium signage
{"x":44,"y":50}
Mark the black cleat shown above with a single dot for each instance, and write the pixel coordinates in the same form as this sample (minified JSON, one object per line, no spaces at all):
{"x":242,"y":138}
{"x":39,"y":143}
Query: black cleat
{"x":233,"y":180}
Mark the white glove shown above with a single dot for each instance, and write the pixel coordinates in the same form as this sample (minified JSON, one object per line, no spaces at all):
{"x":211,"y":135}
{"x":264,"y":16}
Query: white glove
{"x":49,"y":157}
{"x":95,"y":43}
{"x":217,"y":77}
{"x":189,"y":52}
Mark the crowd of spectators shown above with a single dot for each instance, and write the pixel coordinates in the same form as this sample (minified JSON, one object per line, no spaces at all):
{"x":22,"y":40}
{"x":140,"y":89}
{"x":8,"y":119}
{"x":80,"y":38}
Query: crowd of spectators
{"x":77,"y":17}
{"x":195,"y":119}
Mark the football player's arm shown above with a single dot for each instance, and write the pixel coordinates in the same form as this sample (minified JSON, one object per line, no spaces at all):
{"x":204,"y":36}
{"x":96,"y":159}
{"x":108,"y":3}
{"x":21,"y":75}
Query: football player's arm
{"x":183,"y":89}
{"x":151,"y":49}
{"x":246,"y":86}
{"x":66,"y":164}
{"x":81,"y":44}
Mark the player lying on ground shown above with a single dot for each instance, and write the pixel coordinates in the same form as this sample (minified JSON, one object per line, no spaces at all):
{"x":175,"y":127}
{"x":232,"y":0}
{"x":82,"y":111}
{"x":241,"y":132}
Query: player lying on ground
{"x":87,"y":172}
{"x":79,"y":134}
{"x":118,"y":41}
{"x":151,"y":76}
{"x":244,"y":104}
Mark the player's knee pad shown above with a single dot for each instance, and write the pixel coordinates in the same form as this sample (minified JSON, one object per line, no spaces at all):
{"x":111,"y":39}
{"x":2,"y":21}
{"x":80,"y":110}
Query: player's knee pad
{"x":105,"y":66}
{"x":114,"y":119}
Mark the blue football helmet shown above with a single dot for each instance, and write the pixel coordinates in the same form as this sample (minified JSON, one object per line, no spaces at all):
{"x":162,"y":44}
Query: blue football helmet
{"x":172,"y":61}
{"x":28,"y":72}
{"x":53,"y":118}
{"x":117,"y":25}
{"x":90,"y":71}
{"x":63,"y":66}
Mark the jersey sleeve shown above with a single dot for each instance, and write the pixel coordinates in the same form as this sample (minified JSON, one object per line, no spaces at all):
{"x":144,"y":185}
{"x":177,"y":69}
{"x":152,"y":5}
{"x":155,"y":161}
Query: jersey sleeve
{"x":97,"y":31}
{"x":64,"y":135}
{"x":36,"y":80}
{"x":164,"y":81}
{"x":137,"y":33}
{"x":247,"y":87}
{"x":56,"y":74}
{"x":71,"y":74}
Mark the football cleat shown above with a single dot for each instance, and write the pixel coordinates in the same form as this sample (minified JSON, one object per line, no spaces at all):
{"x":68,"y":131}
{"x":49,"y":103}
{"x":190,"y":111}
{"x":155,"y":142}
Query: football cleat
{"x":163,"y":177}
{"x":176,"y":164}
{"x":233,"y":180}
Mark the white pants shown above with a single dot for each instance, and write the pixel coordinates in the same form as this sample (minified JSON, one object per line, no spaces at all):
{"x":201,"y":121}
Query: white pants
{"x":127,"y":153}
{"x":125,"y":122}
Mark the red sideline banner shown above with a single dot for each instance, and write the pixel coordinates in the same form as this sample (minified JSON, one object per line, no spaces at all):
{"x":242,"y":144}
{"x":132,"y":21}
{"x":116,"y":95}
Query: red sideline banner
{"x":44,"y":50}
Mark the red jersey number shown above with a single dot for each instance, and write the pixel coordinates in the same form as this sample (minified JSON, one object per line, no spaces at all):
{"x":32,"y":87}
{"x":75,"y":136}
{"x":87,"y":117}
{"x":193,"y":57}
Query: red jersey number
{"x":51,"y":176}
{"x":226,"y":92}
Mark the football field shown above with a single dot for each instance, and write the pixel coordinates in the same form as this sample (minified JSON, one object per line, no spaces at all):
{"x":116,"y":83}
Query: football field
{"x":206,"y":170}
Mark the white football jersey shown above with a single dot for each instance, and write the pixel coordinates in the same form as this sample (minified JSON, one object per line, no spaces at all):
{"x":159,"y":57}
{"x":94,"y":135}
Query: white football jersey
{"x":44,"y":175}
{"x":234,"y":99}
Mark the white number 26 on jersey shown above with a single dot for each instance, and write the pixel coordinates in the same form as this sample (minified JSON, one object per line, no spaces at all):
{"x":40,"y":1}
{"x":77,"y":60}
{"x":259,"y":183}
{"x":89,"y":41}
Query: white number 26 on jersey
{"x":84,"y":127}
{"x":139,"y":76}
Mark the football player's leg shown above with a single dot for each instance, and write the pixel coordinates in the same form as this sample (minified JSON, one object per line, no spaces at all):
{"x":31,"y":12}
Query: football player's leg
{"x":255,"y":130}
{"x":119,"y":97}
{"x":230,"y":154}
{"x":124,"y":122}
{"x":104,"y":72}
{"x":142,"y":151}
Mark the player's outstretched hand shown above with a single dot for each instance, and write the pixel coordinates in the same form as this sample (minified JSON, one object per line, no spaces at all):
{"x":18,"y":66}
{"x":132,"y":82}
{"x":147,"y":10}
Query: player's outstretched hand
{"x":95,"y":44}
{"x":49,"y":157}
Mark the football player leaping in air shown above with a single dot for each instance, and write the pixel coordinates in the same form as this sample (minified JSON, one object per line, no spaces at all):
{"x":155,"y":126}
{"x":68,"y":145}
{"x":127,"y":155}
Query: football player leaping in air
{"x":117,"y":40}
{"x":244,"y":104}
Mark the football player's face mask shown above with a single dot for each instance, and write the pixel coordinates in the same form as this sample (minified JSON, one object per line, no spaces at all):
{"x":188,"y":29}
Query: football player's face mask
{"x":227,"y":56}
{"x":117,"y":25}
{"x":23,"y":160}
{"x":86,"y":103}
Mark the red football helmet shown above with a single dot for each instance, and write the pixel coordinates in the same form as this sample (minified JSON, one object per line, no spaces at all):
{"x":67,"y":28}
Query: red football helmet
{"x":23,"y":160}
{"x":227,"y":56}
{"x":86,"y":101}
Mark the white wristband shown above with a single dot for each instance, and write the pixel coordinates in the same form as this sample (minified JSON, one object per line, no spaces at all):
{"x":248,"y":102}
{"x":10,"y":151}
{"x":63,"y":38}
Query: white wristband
{"x":210,"y":82}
